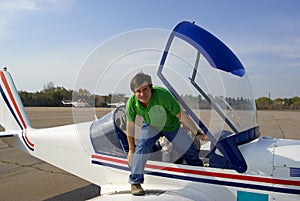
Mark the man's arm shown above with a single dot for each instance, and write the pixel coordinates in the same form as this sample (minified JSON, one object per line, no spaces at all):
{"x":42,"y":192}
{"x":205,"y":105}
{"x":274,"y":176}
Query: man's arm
{"x":187,"y":122}
{"x":130,"y":135}
{"x":130,"y":138}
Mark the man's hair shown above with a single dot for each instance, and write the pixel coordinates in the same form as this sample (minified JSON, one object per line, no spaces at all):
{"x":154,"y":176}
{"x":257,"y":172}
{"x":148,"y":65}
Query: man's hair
{"x":139,"y":79}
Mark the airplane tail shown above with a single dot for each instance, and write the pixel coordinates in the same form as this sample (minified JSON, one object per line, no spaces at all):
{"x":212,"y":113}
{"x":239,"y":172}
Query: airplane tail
{"x":12,"y":113}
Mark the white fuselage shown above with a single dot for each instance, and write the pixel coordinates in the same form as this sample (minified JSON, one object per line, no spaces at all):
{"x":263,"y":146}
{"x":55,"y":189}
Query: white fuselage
{"x":269,"y":162}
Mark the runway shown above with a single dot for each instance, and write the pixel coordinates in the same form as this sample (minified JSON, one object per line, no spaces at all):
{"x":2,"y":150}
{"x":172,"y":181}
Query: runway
{"x":23,"y":177}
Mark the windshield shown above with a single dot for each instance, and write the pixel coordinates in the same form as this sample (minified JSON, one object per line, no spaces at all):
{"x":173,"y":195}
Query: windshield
{"x":217,"y":98}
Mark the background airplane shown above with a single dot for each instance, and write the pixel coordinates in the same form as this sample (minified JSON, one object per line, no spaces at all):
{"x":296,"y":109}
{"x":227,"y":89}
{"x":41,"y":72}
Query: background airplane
{"x":78,"y":103}
{"x":115,"y":104}
{"x":240,"y":165}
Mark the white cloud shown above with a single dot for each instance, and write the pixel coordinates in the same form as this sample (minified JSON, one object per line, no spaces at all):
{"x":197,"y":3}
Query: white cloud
{"x":57,"y":5}
{"x":11,"y":11}
{"x":17,"y":5}
{"x":34,"y":5}
{"x":14,"y":10}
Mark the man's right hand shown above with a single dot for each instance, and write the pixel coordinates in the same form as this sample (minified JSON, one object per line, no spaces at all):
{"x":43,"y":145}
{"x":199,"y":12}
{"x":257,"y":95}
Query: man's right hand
{"x":129,"y":158}
{"x":130,"y":138}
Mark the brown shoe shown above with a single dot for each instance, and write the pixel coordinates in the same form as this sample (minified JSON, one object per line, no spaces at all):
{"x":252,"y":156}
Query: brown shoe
{"x":136,"y":189}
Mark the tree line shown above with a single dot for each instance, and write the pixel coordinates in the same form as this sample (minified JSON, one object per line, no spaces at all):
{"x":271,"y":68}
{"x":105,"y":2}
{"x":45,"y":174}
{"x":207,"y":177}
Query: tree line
{"x":265,"y":103}
{"x":240,"y":103}
{"x":52,"y":96}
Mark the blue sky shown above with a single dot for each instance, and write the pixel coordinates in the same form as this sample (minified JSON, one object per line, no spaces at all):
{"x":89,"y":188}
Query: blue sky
{"x":48,"y":40}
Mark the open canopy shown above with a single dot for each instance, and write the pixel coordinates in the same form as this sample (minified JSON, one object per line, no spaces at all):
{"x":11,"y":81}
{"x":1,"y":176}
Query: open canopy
{"x":215,"y":51}
{"x":219,"y":85}
{"x":203,"y":74}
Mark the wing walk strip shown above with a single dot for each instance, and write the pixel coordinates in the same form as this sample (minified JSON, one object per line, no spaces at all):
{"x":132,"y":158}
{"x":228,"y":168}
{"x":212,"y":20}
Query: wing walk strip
{"x":16,"y":113}
{"x":266,"y":184}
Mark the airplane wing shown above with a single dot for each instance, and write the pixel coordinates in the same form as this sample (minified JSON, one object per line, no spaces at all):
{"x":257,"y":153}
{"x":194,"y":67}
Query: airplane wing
{"x":155,"y":192}
{"x":66,"y":103}
{"x":7,"y":133}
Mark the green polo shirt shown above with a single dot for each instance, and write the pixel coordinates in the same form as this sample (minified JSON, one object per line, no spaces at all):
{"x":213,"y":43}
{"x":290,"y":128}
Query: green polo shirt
{"x":160,"y":113}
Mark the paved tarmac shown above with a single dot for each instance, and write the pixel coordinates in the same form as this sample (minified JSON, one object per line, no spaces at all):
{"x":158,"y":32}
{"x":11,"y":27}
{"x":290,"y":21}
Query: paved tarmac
{"x":23,"y":177}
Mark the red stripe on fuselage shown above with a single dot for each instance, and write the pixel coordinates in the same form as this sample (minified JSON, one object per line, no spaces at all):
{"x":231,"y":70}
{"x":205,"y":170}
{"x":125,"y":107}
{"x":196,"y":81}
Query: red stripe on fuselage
{"x":27,"y":140}
{"x":22,"y":121}
{"x":12,"y":99}
{"x":206,"y":173}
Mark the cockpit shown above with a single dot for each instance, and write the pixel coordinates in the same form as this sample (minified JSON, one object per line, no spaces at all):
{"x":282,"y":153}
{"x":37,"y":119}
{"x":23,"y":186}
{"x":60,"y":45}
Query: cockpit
{"x":108,"y":133}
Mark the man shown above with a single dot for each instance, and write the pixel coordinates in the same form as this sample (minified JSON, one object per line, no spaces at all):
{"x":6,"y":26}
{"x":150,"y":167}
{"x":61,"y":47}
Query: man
{"x":162,"y":117}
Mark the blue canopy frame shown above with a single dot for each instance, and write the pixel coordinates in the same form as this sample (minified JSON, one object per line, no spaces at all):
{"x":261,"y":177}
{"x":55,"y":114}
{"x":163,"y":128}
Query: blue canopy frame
{"x":219,"y":56}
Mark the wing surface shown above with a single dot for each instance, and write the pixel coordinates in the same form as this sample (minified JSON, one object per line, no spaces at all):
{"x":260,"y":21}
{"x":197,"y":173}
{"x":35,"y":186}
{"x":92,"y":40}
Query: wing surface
{"x":155,"y":192}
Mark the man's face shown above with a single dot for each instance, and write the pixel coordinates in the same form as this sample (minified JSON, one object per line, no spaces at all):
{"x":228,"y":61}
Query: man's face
{"x":143,"y":93}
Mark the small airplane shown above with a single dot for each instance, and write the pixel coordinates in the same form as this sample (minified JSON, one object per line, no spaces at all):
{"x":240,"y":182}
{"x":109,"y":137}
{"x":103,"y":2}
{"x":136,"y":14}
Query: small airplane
{"x":239,"y":163}
{"x":78,"y":103}
{"x":118,"y":104}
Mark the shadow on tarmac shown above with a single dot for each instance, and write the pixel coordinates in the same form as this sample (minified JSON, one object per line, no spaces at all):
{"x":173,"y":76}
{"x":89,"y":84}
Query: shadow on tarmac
{"x":84,"y":193}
